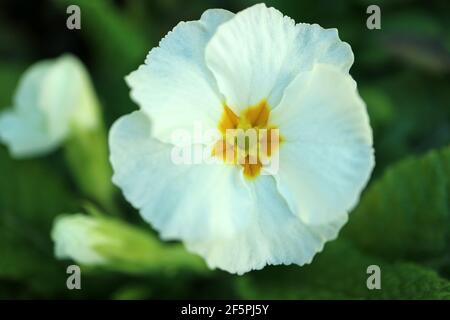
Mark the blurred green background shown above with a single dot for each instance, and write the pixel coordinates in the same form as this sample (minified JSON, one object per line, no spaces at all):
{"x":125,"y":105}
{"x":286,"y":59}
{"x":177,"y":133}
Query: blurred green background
{"x":401,"y":224}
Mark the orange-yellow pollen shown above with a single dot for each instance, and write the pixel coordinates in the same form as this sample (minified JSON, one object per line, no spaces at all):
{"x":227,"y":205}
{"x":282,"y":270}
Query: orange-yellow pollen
{"x":238,"y":145}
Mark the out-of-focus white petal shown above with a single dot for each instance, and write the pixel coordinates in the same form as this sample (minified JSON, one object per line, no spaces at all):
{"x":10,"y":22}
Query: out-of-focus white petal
{"x":274,"y":236}
{"x":25,"y":134}
{"x":182,"y":201}
{"x":256,"y":55}
{"x":174,"y":86}
{"x":53,"y":96}
{"x":326,"y":157}
{"x":23,"y":128}
{"x":67,"y":98}
{"x":28,"y":93}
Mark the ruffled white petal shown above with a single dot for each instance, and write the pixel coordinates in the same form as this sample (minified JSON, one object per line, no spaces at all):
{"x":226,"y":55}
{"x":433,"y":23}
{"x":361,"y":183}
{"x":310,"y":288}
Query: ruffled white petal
{"x":174,"y":86}
{"x":183,"y":202}
{"x":274,"y":236}
{"x":52,"y":97}
{"x":256,"y":54}
{"x":327,"y":156}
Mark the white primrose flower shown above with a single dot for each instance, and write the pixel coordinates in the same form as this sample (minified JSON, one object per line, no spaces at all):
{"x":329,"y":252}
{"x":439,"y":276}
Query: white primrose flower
{"x":253,"y":70}
{"x":53,"y":97}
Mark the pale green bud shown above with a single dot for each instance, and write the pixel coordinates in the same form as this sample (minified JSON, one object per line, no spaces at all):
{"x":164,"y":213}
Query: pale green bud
{"x":113,"y":244}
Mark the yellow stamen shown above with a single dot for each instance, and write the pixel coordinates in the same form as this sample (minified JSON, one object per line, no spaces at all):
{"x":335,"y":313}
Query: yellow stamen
{"x":228,"y":121}
{"x":236,"y":151}
{"x":258,"y":115}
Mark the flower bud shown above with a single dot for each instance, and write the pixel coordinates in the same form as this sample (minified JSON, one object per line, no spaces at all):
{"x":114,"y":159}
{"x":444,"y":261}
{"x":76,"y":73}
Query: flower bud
{"x":110,"y":243}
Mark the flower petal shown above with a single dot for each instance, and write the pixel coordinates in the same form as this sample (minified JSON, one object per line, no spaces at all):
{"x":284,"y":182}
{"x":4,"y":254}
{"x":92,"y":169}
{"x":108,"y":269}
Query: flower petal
{"x":274,"y":236}
{"x":25,"y":135}
{"x":28,"y":91}
{"x":183,"y":201}
{"x":67,"y":98}
{"x":327,"y":156}
{"x":52,"y":97}
{"x":256,"y":55}
{"x":24,"y":127}
{"x":174,"y":86}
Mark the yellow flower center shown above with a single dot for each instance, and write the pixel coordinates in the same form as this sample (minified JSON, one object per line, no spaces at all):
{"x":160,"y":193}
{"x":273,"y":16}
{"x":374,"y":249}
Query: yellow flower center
{"x":248,"y":139}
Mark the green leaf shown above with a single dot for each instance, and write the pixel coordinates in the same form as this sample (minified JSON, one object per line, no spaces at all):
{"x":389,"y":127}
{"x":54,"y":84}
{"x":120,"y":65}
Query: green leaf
{"x":340,"y":272}
{"x":405,"y":214}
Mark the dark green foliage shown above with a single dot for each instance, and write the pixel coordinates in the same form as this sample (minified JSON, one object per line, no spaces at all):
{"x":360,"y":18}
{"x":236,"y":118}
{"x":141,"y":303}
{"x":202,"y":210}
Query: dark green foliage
{"x":27,"y":208}
{"x":116,"y":46}
{"x":339,"y":272}
{"x":405,"y":214}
